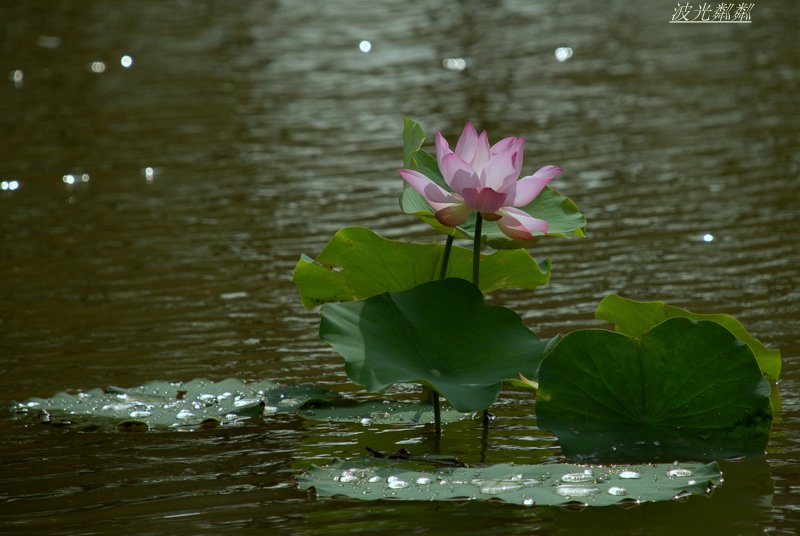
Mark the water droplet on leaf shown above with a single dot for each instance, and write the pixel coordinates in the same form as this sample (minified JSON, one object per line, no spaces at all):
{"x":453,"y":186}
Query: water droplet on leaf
{"x":493,"y":487}
{"x":679,"y":472}
{"x":682,"y":496}
{"x":576,"y":477}
{"x":184,"y":414}
{"x":398,"y":484}
{"x":576,"y":491}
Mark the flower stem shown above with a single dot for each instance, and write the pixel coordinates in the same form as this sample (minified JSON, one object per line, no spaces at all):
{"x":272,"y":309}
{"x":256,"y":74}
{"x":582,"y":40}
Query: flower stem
{"x":476,"y":251}
{"x":476,"y":269}
{"x":437,"y":419}
{"x":446,"y":257}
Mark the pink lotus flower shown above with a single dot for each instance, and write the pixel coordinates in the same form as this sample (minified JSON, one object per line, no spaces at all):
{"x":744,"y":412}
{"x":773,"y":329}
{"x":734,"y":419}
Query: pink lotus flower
{"x":484,"y":179}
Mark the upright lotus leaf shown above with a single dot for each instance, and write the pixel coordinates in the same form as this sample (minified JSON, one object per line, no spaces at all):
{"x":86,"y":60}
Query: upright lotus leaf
{"x":683,"y":390}
{"x":565,"y":220}
{"x":413,"y":137}
{"x":419,"y":160}
{"x":560,"y":212}
{"x":358,"y":264}
{"x":439,"y":334}
{"x":163,"y":405}
{"x":635,"y":318}
{"x":526,"y":485}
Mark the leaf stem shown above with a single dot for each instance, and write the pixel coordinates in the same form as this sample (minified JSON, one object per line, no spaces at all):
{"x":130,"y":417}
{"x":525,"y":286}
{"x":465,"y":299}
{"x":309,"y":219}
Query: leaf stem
{"x":484,"y":435}
{"x":428,"y":394}
{"x":437,"y":419}
{"x":448,"y":246}
{"x":476,"y":250}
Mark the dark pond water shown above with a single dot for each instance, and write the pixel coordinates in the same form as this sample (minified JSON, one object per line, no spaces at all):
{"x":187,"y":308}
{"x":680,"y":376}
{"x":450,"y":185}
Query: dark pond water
{"x":245,"y":134}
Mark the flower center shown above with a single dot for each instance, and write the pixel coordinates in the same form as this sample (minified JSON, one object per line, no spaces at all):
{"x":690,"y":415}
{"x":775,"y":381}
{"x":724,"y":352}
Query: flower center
{"x":483,"y":199}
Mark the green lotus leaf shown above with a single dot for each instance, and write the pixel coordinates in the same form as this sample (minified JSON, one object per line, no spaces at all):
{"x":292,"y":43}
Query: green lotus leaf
{"x":379,"y":412}
{"x":560,"y":212}
{"x":439,"y":334}
{"x":163,"y":405}
{"x":683,"y":390}
{"x":358,"y":264}
{"x":370,"y":479}
{"x":635,"y":318}
{"x":413,"y":137}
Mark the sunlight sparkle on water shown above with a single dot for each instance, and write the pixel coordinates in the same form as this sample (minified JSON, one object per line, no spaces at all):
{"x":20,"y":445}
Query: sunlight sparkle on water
{"x":9,"y":186}
{"x":454,"y":64}
{"x":98,"y":67}
{"x":365,"y":46}
{"x":18,"y":77}
{"x":149,"y":174}
{"x":563,"y":54}
{"x":708,"y":237}
{"x":126,"y":61}
{"x":70,"y":178}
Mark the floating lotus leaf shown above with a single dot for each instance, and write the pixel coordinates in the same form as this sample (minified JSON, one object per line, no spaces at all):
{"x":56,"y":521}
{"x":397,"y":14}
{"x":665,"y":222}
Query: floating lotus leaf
{"x":683,"y":390}
{"x":635,"y":318}
{"x":380,"y":412}
{"x":372,"y":479}
{"x":559,"y":211}
{"x":439,"y":334}
{"x":161,"y":405}
{"x":358,"y":264}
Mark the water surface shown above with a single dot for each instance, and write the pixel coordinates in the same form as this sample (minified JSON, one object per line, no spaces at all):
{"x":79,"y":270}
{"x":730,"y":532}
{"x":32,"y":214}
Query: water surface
{"x":242,"y":136}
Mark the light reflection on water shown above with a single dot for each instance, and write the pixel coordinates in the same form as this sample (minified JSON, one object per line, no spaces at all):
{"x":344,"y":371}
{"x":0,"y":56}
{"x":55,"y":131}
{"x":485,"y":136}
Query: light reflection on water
{"x":235,"y":140}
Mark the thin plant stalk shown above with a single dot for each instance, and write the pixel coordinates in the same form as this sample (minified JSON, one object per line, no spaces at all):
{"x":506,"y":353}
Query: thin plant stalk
{"x":484,"y":435}
{"x":476,"y":273}
{"x":476,"y":251}
{"x":429,"y":394}
{"x":437,"y":420}
{"x":448,"y":246}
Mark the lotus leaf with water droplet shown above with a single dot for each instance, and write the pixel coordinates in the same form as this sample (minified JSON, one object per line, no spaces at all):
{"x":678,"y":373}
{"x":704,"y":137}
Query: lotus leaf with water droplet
{"x":197,"y":404}
{"x":523,"y":485}
{"x":379,"y":412}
